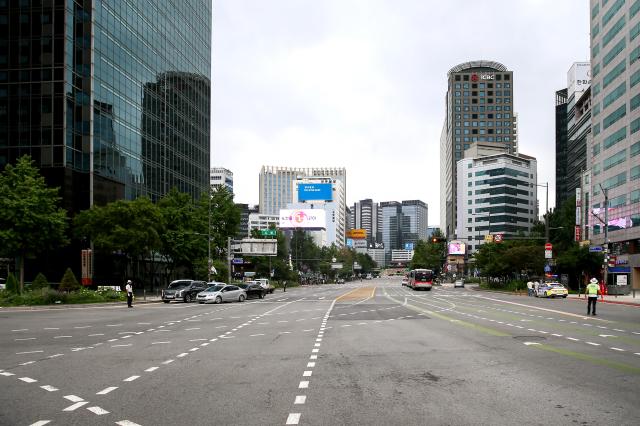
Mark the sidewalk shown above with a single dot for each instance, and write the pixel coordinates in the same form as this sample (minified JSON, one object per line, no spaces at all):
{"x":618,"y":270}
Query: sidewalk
{"x":620,"y":300}
{"x":136,"y":301}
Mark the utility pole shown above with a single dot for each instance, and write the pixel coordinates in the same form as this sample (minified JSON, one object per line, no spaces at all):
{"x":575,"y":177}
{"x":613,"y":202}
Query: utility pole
{"x":546,"y":220}
{"x":209,"y":262}
{"x":229,"y":256}
{"x":606,"y":234}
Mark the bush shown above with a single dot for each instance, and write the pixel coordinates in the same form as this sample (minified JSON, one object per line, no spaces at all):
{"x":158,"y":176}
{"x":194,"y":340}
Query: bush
{"x":39,"y":282}
{"x":12,"y":286}
{"x":69,"y":281}
{"x":48,"y":296}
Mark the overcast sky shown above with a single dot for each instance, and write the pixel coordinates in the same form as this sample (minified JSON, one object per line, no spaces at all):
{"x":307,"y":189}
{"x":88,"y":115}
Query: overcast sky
{"x":361,"y":85}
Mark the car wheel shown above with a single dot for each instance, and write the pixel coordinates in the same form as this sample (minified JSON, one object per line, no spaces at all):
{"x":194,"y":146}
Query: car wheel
{"x":187,"y":298}
{"x":241,"y":298}
{"x":261,"y":295}
{"x":564,"y":297}
{"x":201,"y":303}
{"x":218,"y":299}
{"x":166,"y":301}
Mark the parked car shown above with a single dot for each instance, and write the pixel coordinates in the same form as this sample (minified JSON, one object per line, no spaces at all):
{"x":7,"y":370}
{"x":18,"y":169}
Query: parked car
{"x":185,"y":290}
{"x":340,"y":281}
{"x":221,"y":292}
{"x":264,"y":283}
{"x":458,"y":283}
{"x":552,"y":289}
{"x":253,"y":289}
{"x":3,"y":284}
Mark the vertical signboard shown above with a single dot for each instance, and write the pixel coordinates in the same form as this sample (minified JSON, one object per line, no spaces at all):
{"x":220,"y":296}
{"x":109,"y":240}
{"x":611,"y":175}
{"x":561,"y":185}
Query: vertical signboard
{"x":86,"y":260}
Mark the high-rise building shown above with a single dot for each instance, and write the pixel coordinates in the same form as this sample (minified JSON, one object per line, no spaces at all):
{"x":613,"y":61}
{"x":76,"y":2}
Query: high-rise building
{"x":219,"y":176}
{"x":278,"y":190}
{"x":110,"y":100}
{"x":403,"y":224}
{"x":615,"y":129}
{"x":497,"y":194}
{"x":245,"y":212}
{"x":365,"y":216}
{"x":479,"y":108}
{"x":573,"y":131}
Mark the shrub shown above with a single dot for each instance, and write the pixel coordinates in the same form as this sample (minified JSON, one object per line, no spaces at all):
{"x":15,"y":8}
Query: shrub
{"x":39,"y":282}
{"x":69,"y":281}
{"x":13,"y":286}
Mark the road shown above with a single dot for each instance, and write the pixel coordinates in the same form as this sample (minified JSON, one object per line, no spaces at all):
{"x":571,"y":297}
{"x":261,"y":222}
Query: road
{"x":365,"y":353}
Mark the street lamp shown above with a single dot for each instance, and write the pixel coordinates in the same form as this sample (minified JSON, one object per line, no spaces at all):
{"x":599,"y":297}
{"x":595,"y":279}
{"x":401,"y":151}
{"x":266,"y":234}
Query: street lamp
{"x":546,"y":216}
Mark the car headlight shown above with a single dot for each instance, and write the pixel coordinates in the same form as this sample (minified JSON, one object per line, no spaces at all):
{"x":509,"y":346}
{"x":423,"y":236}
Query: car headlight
{"x":179,"y":293}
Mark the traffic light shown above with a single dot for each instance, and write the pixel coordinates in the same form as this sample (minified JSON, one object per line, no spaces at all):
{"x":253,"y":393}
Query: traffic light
{"x":436,"y":240}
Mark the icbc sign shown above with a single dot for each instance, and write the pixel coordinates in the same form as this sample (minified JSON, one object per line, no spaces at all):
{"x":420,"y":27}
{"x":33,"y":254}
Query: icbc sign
{"x":476,"y":77}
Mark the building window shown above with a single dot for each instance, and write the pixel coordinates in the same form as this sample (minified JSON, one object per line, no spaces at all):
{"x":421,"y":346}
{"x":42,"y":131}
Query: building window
{"x":614,"y":94}
{"x":634,"y":196}
{"x":614,"y":160}
{"x":611,"y":12}
{"x":634,"y":126}
{"x":634,"y":173}
{"x":615,"y":29}
{"x":612,"y":118}
{"x":611,"y":54}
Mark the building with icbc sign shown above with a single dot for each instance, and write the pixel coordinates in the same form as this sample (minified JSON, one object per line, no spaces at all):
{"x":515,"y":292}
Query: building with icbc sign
{"x":479,"y":108}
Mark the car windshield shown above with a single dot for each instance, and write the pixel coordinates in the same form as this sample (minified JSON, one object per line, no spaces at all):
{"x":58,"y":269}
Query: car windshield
{"x":179,"y":284}
{"x":214,"y":288}
{"x":243,"y":285}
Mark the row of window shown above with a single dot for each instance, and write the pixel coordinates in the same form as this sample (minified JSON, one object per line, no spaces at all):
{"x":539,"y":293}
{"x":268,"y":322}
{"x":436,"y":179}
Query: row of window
{"x":482,"y":86}
{"x":482,"y":131}
{"x":498,"y":77}
{"x":482,"y":93}
{"x":467,"y":101}
{"x":483,"y":108}
{"x":484,"y":123}
{"x":483,"y":116}
{"x":479,"y":139}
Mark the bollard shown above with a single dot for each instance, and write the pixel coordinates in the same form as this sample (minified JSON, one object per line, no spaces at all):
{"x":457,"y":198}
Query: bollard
{"x":144,"y":294}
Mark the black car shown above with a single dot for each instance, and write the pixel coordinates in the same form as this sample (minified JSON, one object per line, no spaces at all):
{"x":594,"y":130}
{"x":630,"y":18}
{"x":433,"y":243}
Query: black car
{"x":254,"y":290}
{"x":185,"y":290}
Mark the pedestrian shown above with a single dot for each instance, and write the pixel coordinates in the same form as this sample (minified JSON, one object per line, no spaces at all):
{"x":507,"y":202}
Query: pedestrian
{"x":529,"y":288}
{"x":129,"y":289}
{"x":536,"y":284}
{"x":284,"y":286}
{"x":592,"y":295}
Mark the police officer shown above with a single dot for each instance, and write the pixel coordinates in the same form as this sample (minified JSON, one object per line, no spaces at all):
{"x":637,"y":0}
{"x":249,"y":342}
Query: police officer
{"x":129,"y":290}
{"x":592,"y":295}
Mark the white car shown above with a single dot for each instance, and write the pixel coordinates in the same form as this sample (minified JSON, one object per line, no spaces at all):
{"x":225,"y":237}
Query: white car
{"x":220,"y":292}
{"x":405,"y":281}
{"x":458,"y":283}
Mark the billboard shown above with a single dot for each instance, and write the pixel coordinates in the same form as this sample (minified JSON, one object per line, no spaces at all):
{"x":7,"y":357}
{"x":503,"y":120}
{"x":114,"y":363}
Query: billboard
{"x":357,"y":234}
{"x":408,"y":246}
{"x":303,"y":218}
{"x":315,"y":192}
{"x":359,"y":243}
{"x":457,"y":248}
{"x":578,"y":78}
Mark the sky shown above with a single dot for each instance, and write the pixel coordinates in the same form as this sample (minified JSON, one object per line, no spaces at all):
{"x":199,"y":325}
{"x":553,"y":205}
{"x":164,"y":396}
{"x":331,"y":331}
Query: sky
{"x":361,"y":84}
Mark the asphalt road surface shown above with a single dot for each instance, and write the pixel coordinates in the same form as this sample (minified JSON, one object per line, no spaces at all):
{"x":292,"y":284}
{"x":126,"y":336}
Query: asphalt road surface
{"x":365,"y":353}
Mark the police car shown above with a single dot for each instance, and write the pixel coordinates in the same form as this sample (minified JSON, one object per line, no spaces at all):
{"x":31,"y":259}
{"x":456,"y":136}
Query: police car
{"x":552,"y":289}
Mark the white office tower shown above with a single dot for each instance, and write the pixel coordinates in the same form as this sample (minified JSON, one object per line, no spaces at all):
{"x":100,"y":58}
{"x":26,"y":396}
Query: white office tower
{"x":279,"y":190}
{"x":497,"y":194}
{"x":262,"y":222}
{"x":219,"y":176}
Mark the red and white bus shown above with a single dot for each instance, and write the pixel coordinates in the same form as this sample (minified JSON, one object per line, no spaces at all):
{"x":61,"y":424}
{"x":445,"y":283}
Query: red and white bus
{"x":421,"y":278}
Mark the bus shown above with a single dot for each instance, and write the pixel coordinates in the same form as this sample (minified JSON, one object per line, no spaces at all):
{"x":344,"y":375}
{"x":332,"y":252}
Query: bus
{"x":421,"y":278}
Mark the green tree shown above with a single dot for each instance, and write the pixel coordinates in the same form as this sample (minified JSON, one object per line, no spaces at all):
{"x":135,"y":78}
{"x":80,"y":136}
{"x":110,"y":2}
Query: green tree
{"x":40,"y":281}
{"x":69,"y":281}
{"x":131,"y":227}
{"x":13,"y":286}
{"x":225,"y":219}
{"x":184,"y":237}
{"x":30,"y":220}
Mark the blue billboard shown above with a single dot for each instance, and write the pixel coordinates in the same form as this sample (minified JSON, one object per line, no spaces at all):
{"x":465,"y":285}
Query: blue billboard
{"x":315,"y":192}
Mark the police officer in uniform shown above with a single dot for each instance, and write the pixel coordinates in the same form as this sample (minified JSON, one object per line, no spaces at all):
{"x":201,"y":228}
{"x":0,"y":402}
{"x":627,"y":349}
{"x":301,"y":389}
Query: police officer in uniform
{"x":129,"y":290}
{"x":592,"y":295}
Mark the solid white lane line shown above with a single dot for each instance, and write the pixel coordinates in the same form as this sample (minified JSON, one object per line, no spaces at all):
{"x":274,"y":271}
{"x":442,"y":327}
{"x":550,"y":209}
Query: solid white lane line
{"x":97,"y":410}
{"x":303,"y":384}
{"x":27,"y":379}
{"x":73,"y":398}
{"x":293,"y":419}
{"x":150,"y":369}
{"x":130,"y":379}
{"x":107,"y":390}
{"x":49,"y":388}
{"x":76,"y":406}
{"x":300,"y":399}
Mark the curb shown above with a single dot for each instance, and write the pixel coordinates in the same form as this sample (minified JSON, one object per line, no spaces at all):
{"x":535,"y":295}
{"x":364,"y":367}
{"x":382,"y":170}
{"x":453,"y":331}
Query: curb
{"x":613,"y":302}
{"x":73,"y":305}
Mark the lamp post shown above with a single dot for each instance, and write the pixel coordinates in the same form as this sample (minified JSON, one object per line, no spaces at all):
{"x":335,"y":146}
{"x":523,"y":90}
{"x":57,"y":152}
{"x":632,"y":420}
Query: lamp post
{"x":546,"y":216}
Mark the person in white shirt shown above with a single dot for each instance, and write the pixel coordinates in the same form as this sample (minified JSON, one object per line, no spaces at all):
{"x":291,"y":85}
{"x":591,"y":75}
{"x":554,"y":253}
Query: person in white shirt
{"x":529,"y":288}
{"x":535,"y":287}
{"x":129,"y":290}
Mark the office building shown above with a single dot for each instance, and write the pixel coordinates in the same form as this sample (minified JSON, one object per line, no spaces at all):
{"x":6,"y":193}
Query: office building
{"x":615,"y":130}
{"x":365,"y":216}
{"x":479,"y":108}
{"x":497,"y":194}
{"x":403,"y":224}
{"x":219,"y":176}
{"x":573,"y":131}
{"x":261,"y":221}
{"x":245,"y":211}
{"x":278,"y":189}
{"x":111,"y":100}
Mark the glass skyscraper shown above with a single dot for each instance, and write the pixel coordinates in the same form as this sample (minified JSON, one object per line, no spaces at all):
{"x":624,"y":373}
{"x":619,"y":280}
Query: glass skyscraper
{"x":111,"y":98}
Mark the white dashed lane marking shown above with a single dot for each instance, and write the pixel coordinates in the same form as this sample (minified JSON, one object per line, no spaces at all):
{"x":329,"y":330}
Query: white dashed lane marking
{"x":41,"y":423}
{"x":127,"y":423}
{"x":49,"y":388}
{"x":97,"y":410}
{"x":76,"y":406}
{"x":27,"y":379}
{"x":131,"y":379}
{"x":293,"y":419}
{"x":107,"y":390}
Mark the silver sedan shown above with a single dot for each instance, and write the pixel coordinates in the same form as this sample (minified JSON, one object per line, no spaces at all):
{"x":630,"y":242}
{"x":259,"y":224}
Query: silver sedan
{"x":220,"y":292}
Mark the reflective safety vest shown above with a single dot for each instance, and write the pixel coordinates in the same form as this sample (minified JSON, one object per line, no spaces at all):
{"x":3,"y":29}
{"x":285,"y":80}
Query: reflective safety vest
{"x":592,"y":289}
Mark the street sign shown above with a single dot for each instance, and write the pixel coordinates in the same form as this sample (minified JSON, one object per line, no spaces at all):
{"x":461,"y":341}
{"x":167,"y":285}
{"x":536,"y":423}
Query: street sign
{"x":268,"y":232}
{"x":548,"y":254}
{"x":336,"y":266}
{"x":547,"y":268}
{"x":488,"y":238}
{"x":595,"y":249}
{"x":237,"y":261}
{"x":357,"y":266}
{"x":498,"y":238}
{"x":548,"y":246}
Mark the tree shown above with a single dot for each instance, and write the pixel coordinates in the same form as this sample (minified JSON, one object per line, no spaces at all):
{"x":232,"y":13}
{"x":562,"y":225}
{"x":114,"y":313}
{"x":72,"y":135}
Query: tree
{"x":225,"y":218}
{"x":130,"y":227}
{"x":13,"y":286}
{"x":30,"y":220}
{"x":40,"y":281}
{"x":69,"y":281}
